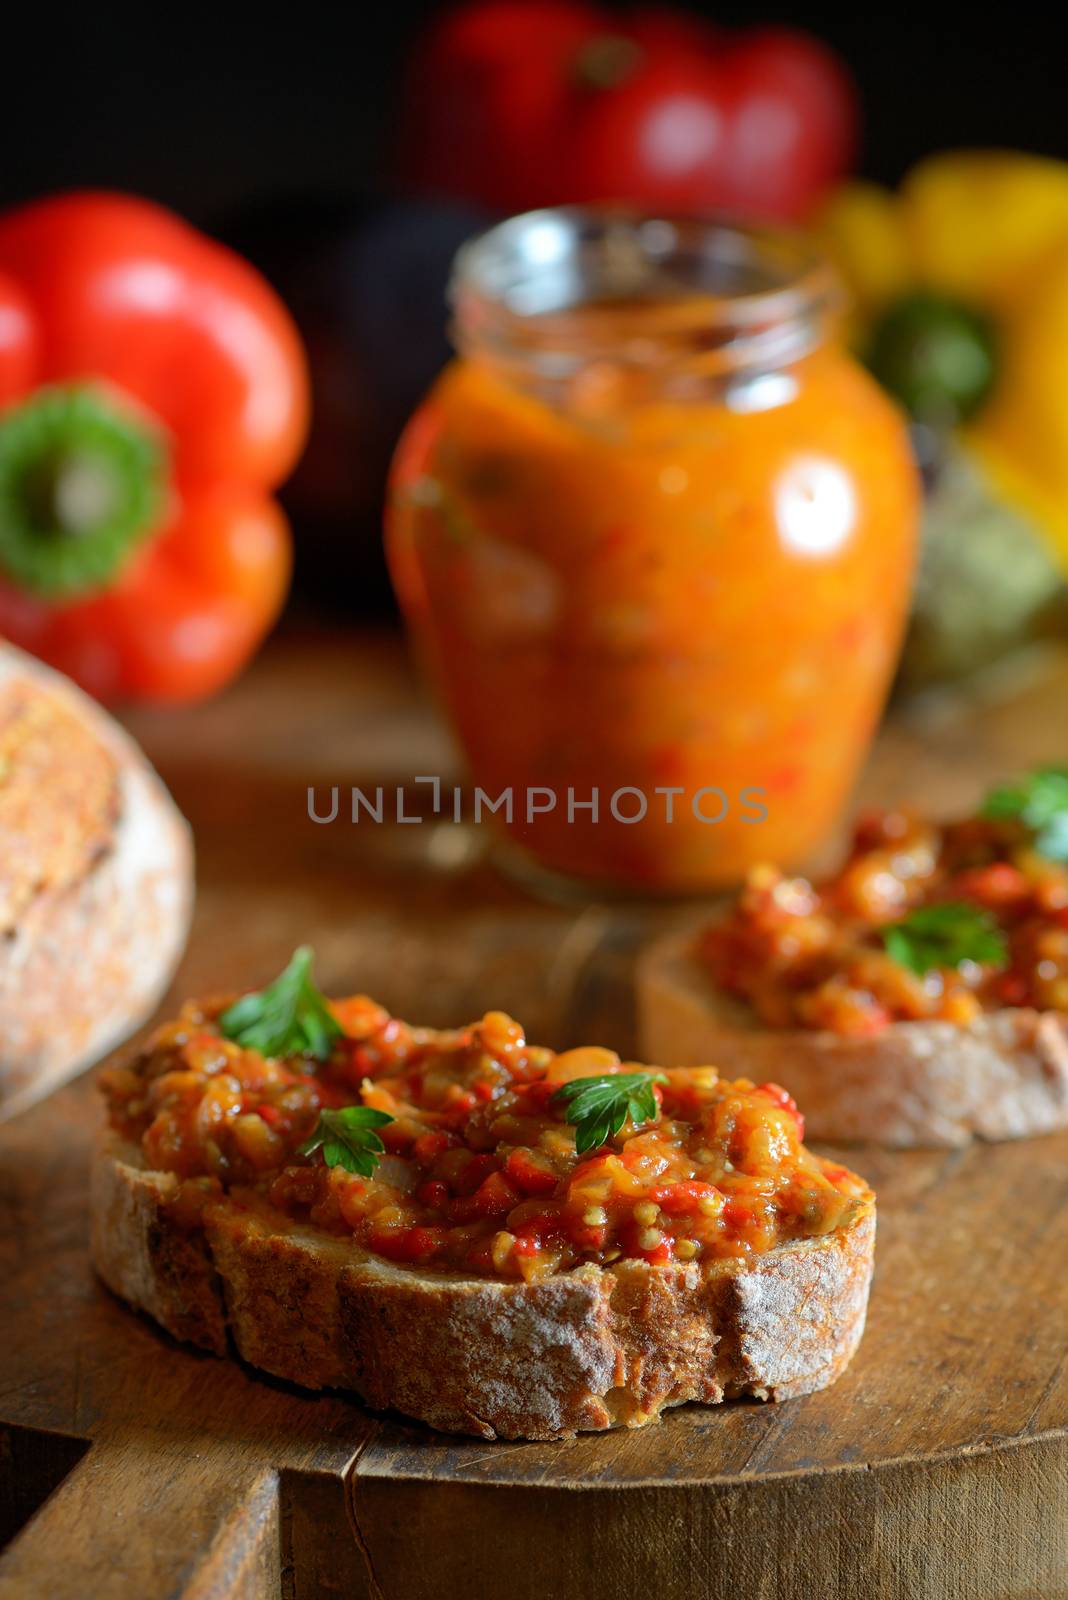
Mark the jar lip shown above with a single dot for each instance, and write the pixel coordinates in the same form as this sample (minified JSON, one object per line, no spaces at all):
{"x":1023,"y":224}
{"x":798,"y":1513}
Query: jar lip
{"x":745,"y":290}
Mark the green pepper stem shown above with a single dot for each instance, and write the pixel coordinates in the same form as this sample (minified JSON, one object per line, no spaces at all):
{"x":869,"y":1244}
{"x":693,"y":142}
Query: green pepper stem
{"x":82,"y":484}
{"x":607,"y":60}
{"x":936,"y":355}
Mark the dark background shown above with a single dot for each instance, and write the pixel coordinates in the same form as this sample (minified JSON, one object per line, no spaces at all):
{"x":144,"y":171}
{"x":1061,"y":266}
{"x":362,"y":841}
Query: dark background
{"x":212,"y":111}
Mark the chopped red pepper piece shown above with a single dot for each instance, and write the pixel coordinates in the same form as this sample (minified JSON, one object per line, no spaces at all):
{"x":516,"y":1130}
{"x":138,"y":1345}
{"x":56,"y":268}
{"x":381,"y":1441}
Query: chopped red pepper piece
{"x":529,"y":1174}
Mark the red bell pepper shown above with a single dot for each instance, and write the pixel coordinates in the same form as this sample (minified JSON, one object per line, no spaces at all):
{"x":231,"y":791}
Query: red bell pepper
{"x":152,"y":394}
{"x":522,"y":103}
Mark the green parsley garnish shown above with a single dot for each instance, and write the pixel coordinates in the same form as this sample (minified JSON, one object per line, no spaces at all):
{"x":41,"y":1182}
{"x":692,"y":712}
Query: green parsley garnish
{"x":348,"y":1138}
{"x":944,"y":935}
{"x":288,"y":1018}
{"x":599,"y":1107}
{"x":1040,"y":802}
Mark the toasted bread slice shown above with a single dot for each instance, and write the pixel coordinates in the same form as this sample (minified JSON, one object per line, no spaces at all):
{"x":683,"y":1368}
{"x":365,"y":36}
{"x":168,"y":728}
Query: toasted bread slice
{"x":588,"y":1349}
{"x":915,"y":1084}
{"x":96,"y":881}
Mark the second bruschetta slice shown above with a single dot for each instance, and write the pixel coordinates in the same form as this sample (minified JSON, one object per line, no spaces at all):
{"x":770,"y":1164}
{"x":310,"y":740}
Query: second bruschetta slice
{"x":917,"y":998}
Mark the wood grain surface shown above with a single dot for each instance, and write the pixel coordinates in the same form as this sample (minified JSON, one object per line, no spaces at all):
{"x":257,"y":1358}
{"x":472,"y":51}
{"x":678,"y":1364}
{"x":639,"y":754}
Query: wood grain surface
{"x":132,"y":1467}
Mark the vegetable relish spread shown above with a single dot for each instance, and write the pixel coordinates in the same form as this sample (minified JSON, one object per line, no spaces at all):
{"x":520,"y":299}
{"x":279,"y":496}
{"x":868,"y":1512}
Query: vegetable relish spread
{"x":923,"y":921}
{"x":473,"y":1150}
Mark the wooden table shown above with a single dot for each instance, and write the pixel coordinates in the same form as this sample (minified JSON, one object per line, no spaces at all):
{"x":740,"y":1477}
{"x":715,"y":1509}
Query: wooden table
{"x":938,"y":1466}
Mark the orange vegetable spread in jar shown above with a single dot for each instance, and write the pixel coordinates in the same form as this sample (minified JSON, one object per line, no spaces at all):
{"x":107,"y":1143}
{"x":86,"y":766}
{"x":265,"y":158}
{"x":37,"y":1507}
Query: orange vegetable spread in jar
{"x":487,"y":1155}
{"x":922,"y":921}
{"x":654,"y":533}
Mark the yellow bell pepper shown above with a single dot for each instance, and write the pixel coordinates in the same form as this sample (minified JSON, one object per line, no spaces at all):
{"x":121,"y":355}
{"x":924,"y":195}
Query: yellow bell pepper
{"x":983,"y":236}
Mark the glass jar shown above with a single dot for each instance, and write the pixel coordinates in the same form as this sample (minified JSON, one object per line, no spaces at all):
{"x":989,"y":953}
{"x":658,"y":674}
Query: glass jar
{"x":654,"y":531}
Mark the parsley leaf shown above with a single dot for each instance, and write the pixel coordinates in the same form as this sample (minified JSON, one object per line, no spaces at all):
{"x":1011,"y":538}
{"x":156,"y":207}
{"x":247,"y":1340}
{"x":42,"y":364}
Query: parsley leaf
{"x":288,"y":1018}
{"x":348,"y":1138}
{"x":600,"y":1106}
{"x":1040,"y":802}
{"x":944,"y":936}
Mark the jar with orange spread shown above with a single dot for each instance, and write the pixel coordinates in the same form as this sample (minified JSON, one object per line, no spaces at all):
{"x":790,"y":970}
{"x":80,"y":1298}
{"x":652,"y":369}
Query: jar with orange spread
{"x":654,"y":532}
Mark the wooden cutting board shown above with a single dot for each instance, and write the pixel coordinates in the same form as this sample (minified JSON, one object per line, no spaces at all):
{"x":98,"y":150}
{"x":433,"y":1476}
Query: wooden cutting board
{"x":132,"y":1467}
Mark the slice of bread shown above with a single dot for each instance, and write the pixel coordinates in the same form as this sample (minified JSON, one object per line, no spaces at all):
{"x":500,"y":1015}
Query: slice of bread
{"x":587,"y":1349}
{"x":915,"y":1084}
{"x":96,"y":881}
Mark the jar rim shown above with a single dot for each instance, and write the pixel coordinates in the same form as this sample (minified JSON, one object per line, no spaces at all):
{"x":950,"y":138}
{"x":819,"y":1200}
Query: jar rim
{"x":731,"y":293}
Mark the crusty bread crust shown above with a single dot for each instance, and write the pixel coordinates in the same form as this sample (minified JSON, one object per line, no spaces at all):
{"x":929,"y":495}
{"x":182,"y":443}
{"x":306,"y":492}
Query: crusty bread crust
{"x":585,"y":1350}
{"x":86,"y":961}
{"x":915,"y":1085}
